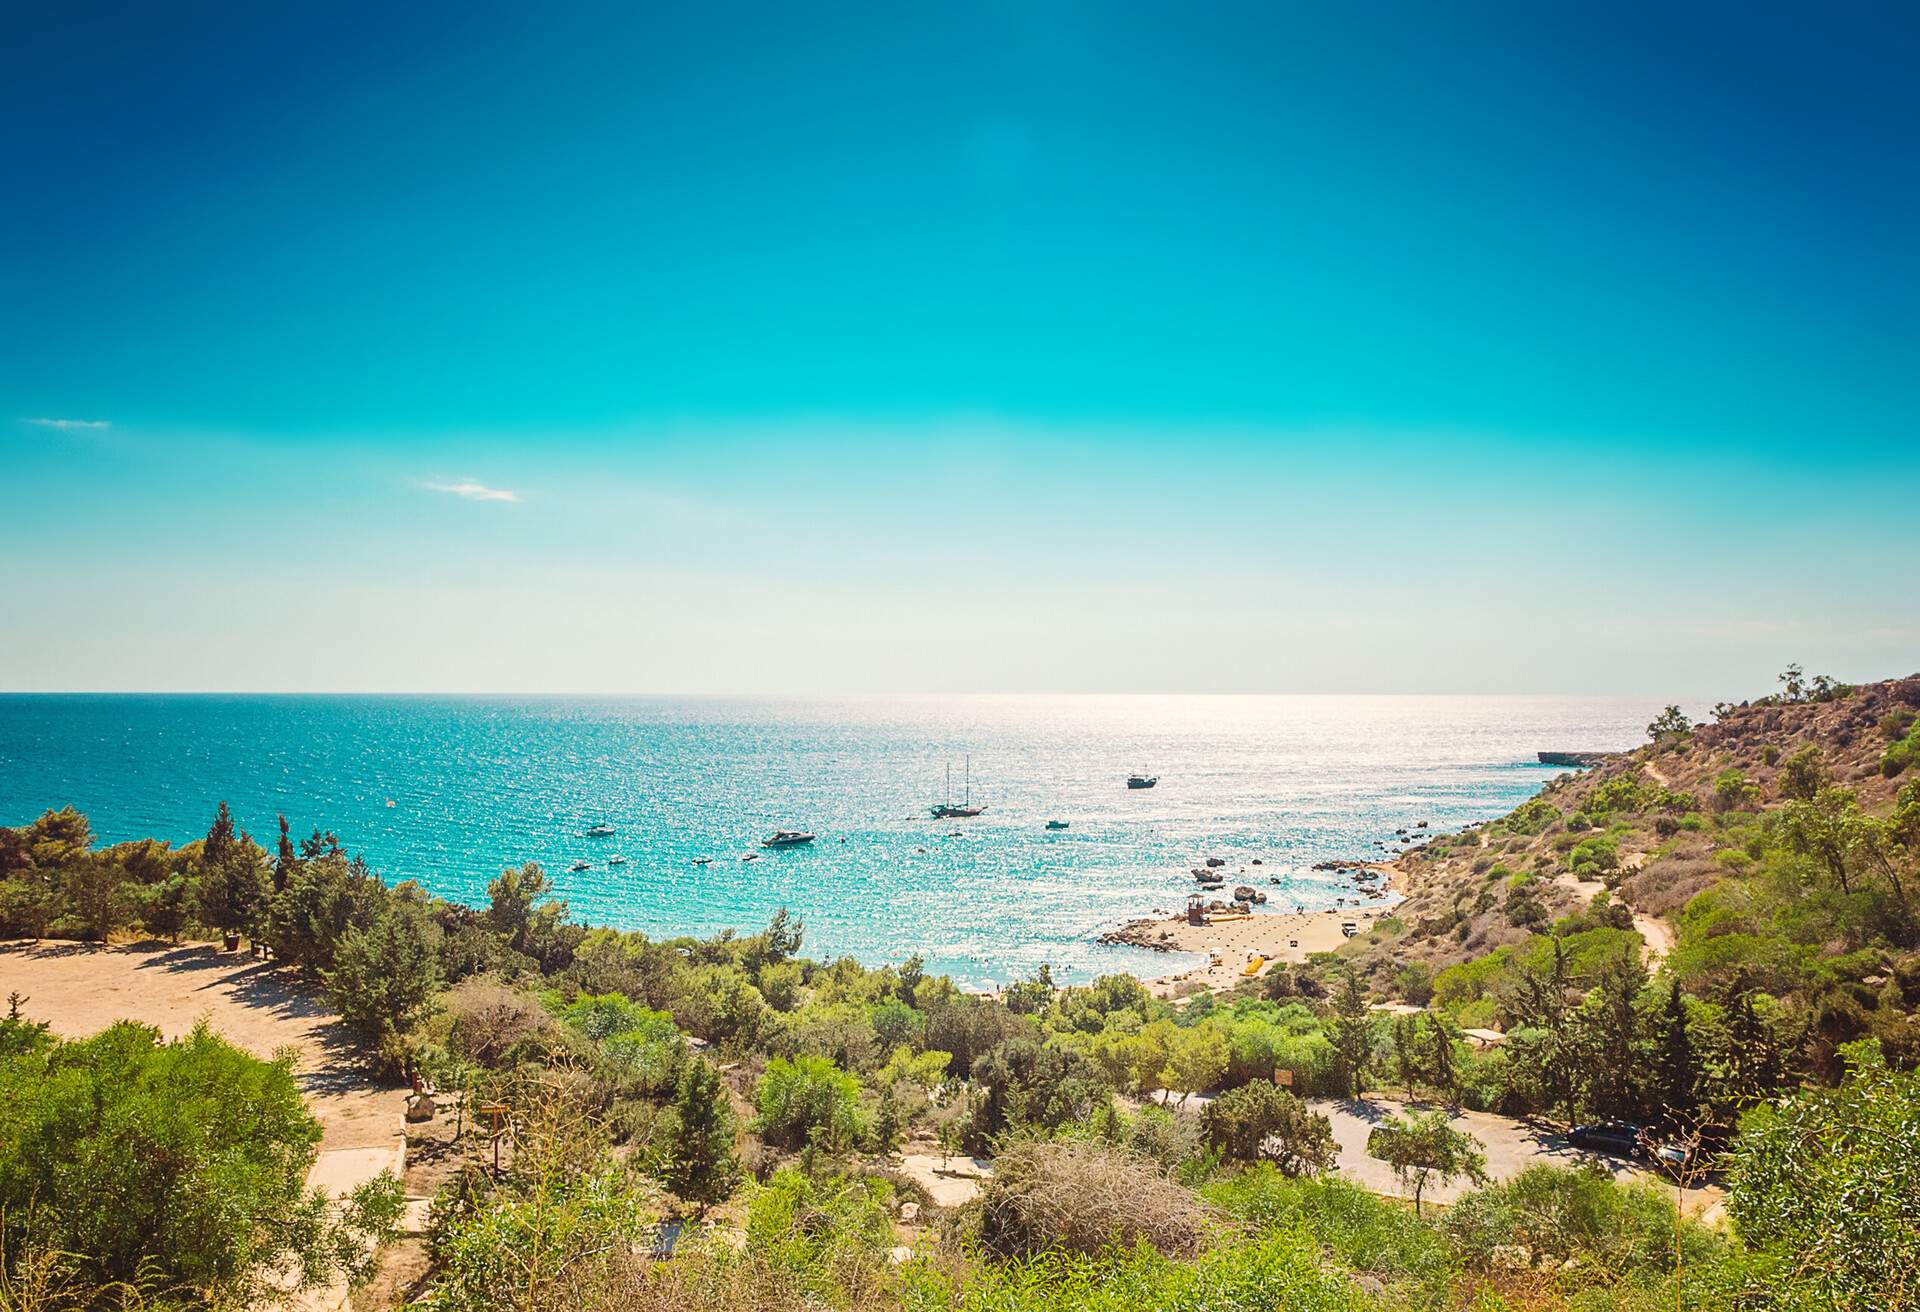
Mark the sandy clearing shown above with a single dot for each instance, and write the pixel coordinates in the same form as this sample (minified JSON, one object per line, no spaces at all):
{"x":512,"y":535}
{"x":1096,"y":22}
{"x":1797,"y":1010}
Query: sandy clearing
{"x":950,"y":1181}
{"x":79,"y":989}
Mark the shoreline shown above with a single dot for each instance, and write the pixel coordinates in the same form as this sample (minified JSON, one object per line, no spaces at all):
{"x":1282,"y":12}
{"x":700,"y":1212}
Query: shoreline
{"x":1229,"y":941}
{"x":1230,"y":945}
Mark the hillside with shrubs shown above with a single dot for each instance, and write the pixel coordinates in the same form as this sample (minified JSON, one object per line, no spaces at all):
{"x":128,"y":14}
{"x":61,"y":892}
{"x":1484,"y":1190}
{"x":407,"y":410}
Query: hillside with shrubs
{"x":1767,"y":860}
{"x":727,"y":1123}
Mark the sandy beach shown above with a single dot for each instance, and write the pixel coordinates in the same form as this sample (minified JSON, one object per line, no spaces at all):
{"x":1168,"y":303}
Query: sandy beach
{"x":1231,"y":942}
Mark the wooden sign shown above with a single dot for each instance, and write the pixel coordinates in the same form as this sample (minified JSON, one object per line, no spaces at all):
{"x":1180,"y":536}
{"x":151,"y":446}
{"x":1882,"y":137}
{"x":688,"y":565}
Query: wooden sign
{"x":1283,"y":1078}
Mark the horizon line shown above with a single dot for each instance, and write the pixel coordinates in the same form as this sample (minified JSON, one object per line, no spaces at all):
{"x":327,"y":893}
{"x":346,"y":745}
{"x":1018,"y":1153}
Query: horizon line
{"x":817,"y":694}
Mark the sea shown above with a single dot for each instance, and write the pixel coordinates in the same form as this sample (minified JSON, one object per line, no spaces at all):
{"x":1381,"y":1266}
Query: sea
{"x":447,"y":791}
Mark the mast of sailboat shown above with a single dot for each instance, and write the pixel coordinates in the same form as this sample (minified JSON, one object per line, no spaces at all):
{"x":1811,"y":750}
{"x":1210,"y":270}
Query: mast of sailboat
{"x":969,"y":797}
{"x":946,"y":792}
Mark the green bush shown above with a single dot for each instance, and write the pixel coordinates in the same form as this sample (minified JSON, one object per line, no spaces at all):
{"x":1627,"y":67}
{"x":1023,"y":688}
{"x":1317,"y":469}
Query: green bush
{"x":1623,"y":793}
{"x":694,"y":1139}
{"x":1359,"y":1229}
{"x":799,"y":1219}
{"x":1579,"y":1216}
{"x":1532,"y":817}
{"x":642,"y":1050}
{"x":539,"y":1243}
{"x":1021,"y":1084}
{"x":1593,"y":857}
{"x":1279,"y":1271}
{"x":385,"y":976}
{"x":1825,"y":1181}
{"x":1902,"y":754}
{"x":173,"y":1167}
{"x":1258,"y":1122}
{"x":806,"y":1101}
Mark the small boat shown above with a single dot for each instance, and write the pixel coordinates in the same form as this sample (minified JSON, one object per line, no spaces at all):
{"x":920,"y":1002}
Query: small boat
{"x":1142,"y":780}
{"x":389,"y":801}
{"x":788,"y":838}
{"x":1057,"y":824}
{"x":600,"y":831}
{"x":616,"y":860}
{"x":703,"y":860}
{"x":749,"y":856}
{"x":581,"y":865}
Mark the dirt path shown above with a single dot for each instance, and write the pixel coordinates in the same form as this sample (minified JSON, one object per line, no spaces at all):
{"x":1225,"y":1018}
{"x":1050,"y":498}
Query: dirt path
{"x":1658,"y":936}
{"x":79,"y":989}
{"x":1655,"y":933}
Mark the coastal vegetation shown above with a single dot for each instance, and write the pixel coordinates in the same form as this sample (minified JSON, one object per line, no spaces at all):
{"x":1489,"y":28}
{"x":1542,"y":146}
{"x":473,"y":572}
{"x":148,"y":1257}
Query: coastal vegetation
{"x":140,"y":1172}
{"x":1711,"y":937}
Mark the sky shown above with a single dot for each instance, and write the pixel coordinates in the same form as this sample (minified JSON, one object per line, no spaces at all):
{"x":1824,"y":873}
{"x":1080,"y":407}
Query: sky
{"x":1027,"y":346}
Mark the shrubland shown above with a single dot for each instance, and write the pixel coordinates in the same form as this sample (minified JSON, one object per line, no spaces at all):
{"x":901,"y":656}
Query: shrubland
{"x":1143,"y":1154}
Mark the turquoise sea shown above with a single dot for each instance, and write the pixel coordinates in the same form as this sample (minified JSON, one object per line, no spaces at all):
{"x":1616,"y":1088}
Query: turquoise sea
{"x":477,"y":783}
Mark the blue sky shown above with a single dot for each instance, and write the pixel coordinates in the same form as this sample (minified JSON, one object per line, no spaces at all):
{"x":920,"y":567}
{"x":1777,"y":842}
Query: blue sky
{"x":1026,"y":346}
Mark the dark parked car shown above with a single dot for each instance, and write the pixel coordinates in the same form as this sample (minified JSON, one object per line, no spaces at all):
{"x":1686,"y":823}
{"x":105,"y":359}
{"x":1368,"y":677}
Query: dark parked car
{"x":1617,"y":1138}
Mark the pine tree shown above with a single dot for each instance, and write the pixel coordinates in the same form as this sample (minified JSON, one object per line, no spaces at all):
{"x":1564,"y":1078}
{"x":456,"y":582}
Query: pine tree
{"x":284,"y":858}
{"x":1752,"y":1060}
{"x":699,"y":1163}
{"x":1351,"y":1035}
{"x":1442,"y":1072}
{"x":232,"y":884}
{"x":1612,"y":1029}
{"x":886,"y":1124}
{"x":1550,"y":1057}
{"x":1406,"y":1052}
{"x":220,"y":838}
{"x":1676,"y":1066}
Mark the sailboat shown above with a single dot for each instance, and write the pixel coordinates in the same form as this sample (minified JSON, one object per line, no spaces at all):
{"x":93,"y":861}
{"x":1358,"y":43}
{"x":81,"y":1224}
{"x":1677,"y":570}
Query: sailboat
{"x":946,"y":810}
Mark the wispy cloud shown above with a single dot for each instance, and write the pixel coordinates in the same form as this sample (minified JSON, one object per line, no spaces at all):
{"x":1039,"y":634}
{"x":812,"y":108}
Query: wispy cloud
{"x":472,"y":490}
{"x":67,"y":425}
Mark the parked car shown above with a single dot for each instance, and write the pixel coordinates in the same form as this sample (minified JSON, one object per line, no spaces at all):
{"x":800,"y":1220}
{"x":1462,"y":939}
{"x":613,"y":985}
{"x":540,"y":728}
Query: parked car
{"x":1616,"y":1138}
{"x":1690,"y":1156}
{"x":1675,"y":1156}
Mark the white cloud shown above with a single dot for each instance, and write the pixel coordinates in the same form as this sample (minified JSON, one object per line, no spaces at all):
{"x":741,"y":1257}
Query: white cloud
{"x":67,"y":425}
{"x":472,"y":490}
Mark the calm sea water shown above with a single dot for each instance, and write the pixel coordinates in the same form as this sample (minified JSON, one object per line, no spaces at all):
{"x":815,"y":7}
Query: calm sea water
{"x":477,"y":783}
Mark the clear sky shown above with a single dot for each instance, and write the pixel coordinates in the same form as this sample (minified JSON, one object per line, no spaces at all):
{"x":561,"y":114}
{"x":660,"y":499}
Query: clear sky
{"x":1024,"y":346}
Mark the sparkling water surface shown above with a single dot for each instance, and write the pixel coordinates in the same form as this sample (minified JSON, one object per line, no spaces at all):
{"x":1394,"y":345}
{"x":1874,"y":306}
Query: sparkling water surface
{"x":477,"y":783}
